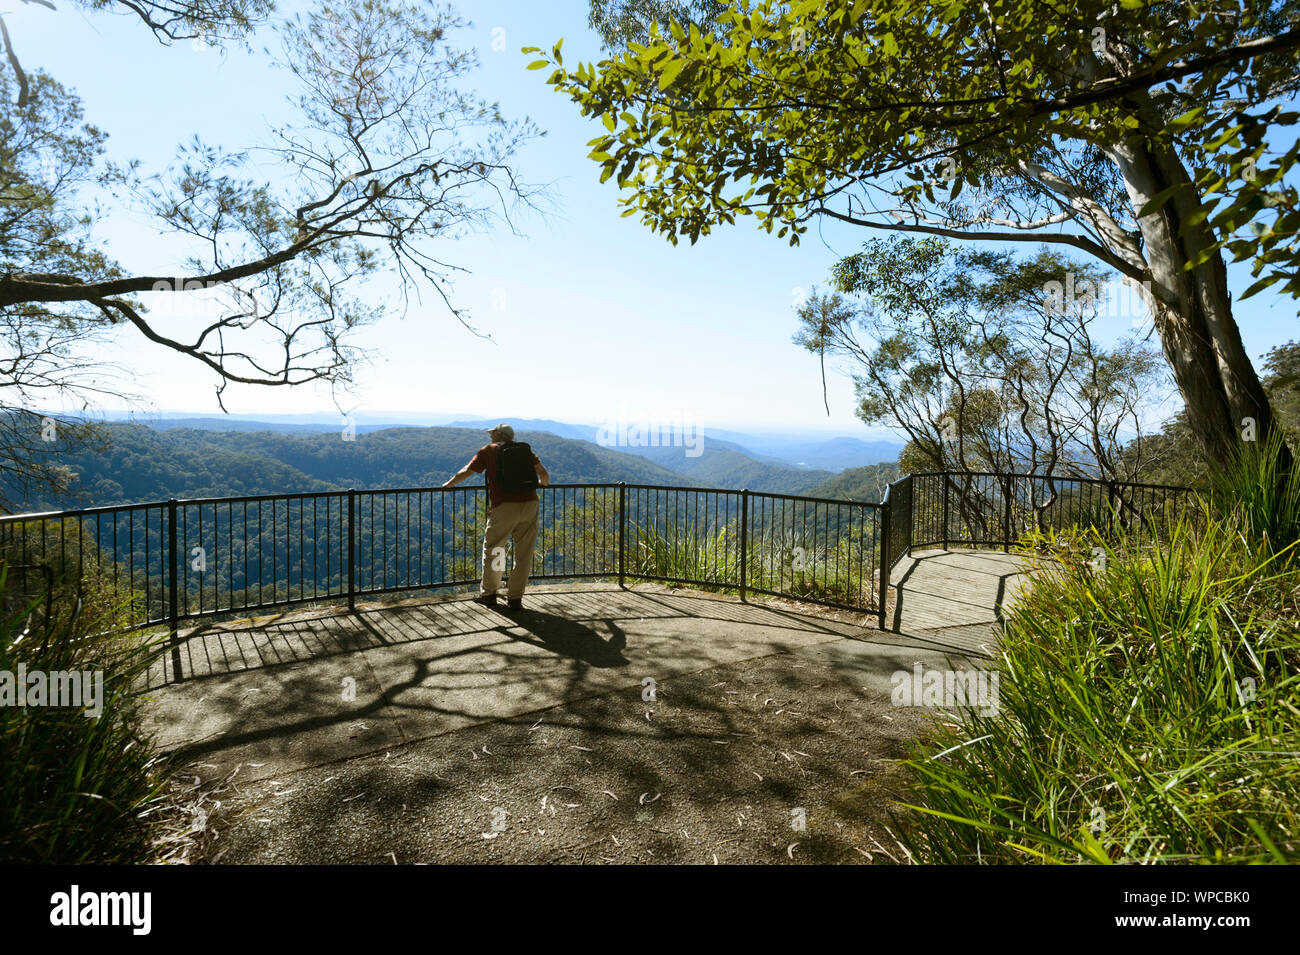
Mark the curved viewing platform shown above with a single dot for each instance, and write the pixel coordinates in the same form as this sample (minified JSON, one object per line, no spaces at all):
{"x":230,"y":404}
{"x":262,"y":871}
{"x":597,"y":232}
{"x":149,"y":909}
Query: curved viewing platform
{"x":268,"y":693}
{"x":325,"y":669}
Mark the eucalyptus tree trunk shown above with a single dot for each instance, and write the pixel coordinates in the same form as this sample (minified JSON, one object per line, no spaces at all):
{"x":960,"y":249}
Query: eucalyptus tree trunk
{"x":1192,"y":309}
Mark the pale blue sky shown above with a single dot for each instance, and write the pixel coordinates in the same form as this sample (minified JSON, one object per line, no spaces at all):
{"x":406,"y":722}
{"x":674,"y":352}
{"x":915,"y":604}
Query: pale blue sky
{"x":599,"y":313}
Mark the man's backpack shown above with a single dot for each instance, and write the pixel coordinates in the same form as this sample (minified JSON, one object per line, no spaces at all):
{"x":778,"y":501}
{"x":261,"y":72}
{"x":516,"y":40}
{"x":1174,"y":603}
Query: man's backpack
{"x":515,"y":471}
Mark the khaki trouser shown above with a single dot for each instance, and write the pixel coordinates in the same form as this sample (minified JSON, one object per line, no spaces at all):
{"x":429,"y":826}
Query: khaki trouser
{"x":517,"y":519}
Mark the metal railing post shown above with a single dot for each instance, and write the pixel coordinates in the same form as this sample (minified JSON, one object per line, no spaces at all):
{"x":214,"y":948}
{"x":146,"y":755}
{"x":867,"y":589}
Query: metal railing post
{"x":744,"y":541}
{"x":886,"y":506}
{"x":352,"y":549}
{"x":622,"y":532}
{"x":173,"y":575}
{"x":911,"y":515}
{"x":1006,"y":515}
{"x":944,"y":477}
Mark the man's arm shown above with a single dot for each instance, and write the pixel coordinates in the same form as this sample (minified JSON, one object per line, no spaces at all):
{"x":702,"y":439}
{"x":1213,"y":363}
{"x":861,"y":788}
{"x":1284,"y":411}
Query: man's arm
{"x":542,"y":474}
{"x":475,"y":466}
{"x":463,"y":474}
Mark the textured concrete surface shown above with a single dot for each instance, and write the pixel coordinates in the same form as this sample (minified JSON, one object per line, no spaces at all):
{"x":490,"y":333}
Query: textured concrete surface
{"x":790,"y":757}
{"x":430,"y":667}
{"x":436,"y":730}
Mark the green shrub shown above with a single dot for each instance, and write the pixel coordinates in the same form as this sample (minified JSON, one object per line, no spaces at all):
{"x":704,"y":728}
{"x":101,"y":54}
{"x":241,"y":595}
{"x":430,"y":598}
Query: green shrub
{"x":685,"y":555}
{"x":57,"y":568}
{"x":76,"y":789}
{"x":835,"y":572}
{"x":1148,"y":711}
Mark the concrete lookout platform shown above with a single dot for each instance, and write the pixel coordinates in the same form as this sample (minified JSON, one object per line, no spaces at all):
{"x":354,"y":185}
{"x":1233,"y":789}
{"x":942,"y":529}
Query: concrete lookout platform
{"x":275,"y":694}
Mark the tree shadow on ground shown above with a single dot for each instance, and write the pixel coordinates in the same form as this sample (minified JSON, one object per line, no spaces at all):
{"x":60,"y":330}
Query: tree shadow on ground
{"x":718,"y":766}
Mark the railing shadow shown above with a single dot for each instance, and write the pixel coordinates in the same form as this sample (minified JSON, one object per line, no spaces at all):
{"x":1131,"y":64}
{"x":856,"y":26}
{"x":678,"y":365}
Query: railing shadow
{"x":929,"y":601}
{"x":296,"y":713}
{"x":215,"y":650}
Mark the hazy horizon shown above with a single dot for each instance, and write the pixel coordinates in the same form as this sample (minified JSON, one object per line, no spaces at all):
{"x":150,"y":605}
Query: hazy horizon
{"x":445,"y":418}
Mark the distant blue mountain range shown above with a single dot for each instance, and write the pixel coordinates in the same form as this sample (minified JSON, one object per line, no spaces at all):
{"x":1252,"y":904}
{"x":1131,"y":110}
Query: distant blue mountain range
{"x":808,"y":450}
{"x":792,"y":450}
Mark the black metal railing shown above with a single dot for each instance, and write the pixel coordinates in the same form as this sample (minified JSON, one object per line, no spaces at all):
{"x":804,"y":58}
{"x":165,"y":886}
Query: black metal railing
{"x":185,"y":560}
{"x":982,"y":509}
{"x":898,"y":500}
{"x":813,"y":549}
{"x":176,"y":561}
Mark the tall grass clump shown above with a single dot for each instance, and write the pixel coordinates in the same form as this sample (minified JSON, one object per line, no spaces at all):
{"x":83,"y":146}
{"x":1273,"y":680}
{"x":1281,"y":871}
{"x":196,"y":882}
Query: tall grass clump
{"x":838,"y":571}
{"x":73,"y":788}
{"x":1148,"y":709}
{"x":1260,"y":496}
{"x":688,"y":555}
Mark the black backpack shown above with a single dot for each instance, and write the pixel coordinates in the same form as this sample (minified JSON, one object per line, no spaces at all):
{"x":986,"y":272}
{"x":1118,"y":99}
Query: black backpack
{"x":515,"y":471}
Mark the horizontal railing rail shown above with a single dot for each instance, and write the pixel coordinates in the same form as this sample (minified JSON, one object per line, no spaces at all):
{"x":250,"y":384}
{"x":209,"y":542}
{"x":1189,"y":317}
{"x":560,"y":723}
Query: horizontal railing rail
{"x":1052,"y":477}
{"x":192,"y":559}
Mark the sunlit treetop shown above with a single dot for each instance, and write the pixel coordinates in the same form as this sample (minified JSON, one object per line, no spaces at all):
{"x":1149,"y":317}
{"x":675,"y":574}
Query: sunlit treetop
{"x":1006,"y":118}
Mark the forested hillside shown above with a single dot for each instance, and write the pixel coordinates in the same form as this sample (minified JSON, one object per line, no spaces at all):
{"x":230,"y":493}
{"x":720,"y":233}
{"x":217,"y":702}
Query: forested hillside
{"x":143,"y":463}
{"x":859,"y":484}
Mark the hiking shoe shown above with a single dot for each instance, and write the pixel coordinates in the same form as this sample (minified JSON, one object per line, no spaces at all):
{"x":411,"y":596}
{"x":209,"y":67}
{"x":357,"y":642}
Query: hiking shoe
{"x":516,"y":604}
{"x":487,"y":600}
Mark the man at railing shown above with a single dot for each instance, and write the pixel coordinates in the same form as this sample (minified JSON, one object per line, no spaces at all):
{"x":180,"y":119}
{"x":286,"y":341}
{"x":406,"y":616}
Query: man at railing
{"x":513,"y":474}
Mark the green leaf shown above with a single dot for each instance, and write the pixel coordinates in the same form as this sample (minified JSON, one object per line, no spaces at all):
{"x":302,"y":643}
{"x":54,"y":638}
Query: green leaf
{"x":1223,"y":138}
{"x":671,"y":72}
{"x":1260,"y":285}
{"x":1187,"y":119}
{"x":1094,"y":849}
{"x":538,"y":64}
{"x":1158,"y":201}
{"x":1263,"y":837}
